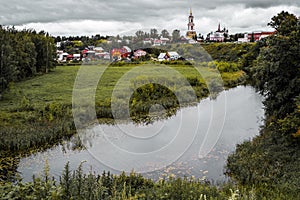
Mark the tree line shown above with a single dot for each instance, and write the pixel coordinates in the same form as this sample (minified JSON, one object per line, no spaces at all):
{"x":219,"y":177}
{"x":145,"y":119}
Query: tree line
{"x":273,"y":65}
{"x":24,"y":54}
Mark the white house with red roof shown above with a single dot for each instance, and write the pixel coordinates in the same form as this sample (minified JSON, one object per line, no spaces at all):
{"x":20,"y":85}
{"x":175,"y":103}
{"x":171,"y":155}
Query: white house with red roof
{"x":139,"y":53}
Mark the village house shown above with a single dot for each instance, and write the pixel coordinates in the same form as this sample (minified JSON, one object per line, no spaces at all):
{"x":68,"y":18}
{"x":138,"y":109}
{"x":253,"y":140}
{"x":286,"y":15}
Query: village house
{"x":139,"y":53}
{"x":77,"y":57}
{"x":58,"y":44}
{"x":98,"y":49}
{"x":91,"y":48}
{"x":157,"y":42}
{"x":255,"y":36}
{"x":164,"y":41}
{"x":121,"y":53}
{"x":244,"y":39}
{"x":168,"y":56}
{"x":62,"y":56}
{"x":147,"y":41}
{"x":258,"y":35}
{"x":103,"y":55}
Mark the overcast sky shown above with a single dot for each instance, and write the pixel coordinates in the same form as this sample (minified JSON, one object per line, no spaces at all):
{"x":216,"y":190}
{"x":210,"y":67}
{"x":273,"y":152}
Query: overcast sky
{"x":125,"y":17}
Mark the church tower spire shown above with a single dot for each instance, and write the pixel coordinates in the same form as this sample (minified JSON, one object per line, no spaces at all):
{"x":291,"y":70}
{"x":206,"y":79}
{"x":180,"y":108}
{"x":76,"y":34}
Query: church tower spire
{"x":191,"y":33}
{"x":191,"y":23}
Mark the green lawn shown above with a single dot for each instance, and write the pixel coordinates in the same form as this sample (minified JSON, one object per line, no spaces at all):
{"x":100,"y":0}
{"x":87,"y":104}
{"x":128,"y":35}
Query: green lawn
{"x":57,"y":86}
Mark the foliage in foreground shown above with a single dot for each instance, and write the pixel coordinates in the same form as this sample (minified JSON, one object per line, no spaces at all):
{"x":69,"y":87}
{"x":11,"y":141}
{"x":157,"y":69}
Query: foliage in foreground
{"x":76,"y":185}
{"x":273,"y":158}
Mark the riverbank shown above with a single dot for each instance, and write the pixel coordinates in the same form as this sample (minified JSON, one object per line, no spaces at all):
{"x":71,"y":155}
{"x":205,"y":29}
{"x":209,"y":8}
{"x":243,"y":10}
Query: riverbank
{"x":77,"y":185}
{"x":37,"y":113}
{"x":198,"y":120}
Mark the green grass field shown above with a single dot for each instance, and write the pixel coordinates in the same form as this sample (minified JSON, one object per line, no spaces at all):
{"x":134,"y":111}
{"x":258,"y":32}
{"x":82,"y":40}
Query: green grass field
{"x":54,"y":86}
{"x":57,"y":86}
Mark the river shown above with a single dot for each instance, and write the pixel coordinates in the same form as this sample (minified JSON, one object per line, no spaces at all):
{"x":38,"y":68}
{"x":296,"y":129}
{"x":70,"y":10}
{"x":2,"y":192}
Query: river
{"x":195,"y":142}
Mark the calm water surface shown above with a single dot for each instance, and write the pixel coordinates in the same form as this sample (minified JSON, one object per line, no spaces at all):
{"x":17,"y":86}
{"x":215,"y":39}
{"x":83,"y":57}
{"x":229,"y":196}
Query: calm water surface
{"x":195,"y":142}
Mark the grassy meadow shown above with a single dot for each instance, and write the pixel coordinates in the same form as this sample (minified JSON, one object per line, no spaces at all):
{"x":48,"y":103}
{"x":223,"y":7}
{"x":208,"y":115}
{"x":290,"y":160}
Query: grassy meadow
{"x":57,"y":85}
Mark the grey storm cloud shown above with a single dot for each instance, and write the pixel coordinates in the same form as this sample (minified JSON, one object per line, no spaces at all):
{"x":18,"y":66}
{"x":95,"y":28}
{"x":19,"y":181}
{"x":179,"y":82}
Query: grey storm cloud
{"x":247,"y":3}
{"x":72,"y":17}
{"x":15,"y":12}
{"x":22,"y":12}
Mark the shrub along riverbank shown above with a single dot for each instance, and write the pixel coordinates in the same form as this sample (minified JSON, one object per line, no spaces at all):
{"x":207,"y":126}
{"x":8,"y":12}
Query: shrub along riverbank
{"x":76,"y":185}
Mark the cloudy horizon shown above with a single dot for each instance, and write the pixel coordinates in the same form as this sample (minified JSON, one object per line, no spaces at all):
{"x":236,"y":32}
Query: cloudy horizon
{"x":92,"y":17}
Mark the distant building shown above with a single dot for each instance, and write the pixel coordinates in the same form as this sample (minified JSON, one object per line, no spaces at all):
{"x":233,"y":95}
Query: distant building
{"x":258,"y":35}
{"x":255,"y":36}
{"x":91,"y":48}
{"x":192,"y":41}
{"x":244,"y":39}
{"x":147,"y":41}
{"x":219,"y":35}
{"x":164,"y":41}
{"x":98,"y":49}
{"x":58,"y":44}
{"x":127,"y":41}
{"x":103,"y":55}
{"x":77,"y":57}
{"x":161,"y":41}
{"x":184,"y":39}
{"x":156,"y":42}
{"x":62,"y":56}
{"x":172,"y":55}
{"x":139,"y":53}
{"x":191,"y":33}
{"x":123,"y":52}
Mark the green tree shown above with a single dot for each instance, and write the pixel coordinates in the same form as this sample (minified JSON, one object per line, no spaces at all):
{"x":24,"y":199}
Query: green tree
{"x":7,"y":64}
{"x":23,"y":54}
{"x":252,"y":38}
{"x":271,"y":160}
{"x":249,"y":59}
{"x":140,"y":35}
{"x":165,"y":34}
{"x":153,"y":33}
{"x":45,"y":50}
{"x":176,"y":35}
{"x":277,"y":71}
{"x":285,"y":23}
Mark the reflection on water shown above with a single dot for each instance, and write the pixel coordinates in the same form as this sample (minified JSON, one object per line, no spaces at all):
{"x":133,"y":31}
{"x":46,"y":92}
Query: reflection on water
{"x":243,"y":117}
